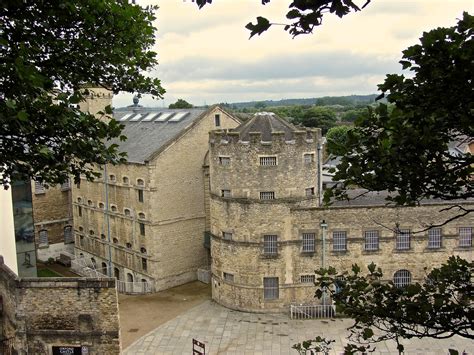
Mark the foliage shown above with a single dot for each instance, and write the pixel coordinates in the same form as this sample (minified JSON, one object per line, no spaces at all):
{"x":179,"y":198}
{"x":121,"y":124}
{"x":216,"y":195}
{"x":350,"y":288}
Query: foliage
{"x":405,"y":150}
{"x":49,"y":52}
{"x":181,"y":104}
{"x":304,"y":15}
{"x":439,"y":307}
{"x":353,"y":115}
{"x":315,"y":116}
{"x":337,"y":139}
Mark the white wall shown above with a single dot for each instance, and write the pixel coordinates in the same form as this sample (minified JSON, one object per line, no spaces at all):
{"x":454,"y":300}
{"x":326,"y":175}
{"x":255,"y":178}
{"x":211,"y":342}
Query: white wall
{"x":7,"y":230}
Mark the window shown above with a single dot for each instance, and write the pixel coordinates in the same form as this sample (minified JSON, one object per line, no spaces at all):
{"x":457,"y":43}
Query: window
{"x":66,"y":185}
{"x":140,"y":196}
{"x":270,"y":246}
{"x":228,"y":277}
{"x":112,"y":178}
{"x":144,"y":264}
{"x":225,"y":161}
{"x":217,"y":120}
{"x":308,"y":158}
{"x":113,"y":208}
{"x":140,"y":182}
{"x":81,"y":228}
{"x":225,"y":193}
{"x":101,"y":205}
{"x":115,"y":241}
{"x":79,"y":200}
{"x":403,"y":239}
{"x":141,"y":215}
{"x":102,"y":236}
{"x":68,"y":236}
{"x":43,"y":237}
{"x":339,"y":242}
{"x":268,"y":161}
{"x":94,"y":263}
{"x":371,"y":240}
{"x":91,"y":232}
{"x":270,"y":288}
{"x":79,"y":211}
{"x":143,"y":250}
{"x":307,"y":279}
{"x":104,"y":269}
{"x":128,"y":245}
{"x":308,"y":242}
{"x":127,"y":212}
{"x":125,"y":180}
{"x":90,"y":203}
{"x":81,"y":241}
{"x":465,"y":237}
{"x":142,"y":228}
{"x":227,"y":235}
{"x":338,"y":284}
{"x":267,"y":195}
{"x":402,"y":278}
{"x":39,"y":188}
{"x":309,"y":192}
{"x":434,"y":238}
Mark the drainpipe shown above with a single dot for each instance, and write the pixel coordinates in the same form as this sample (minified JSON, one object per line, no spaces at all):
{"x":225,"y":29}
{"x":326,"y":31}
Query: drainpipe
{"x":107,"y":219}
{"x":324,"y":227}
{"x":320,"y":185}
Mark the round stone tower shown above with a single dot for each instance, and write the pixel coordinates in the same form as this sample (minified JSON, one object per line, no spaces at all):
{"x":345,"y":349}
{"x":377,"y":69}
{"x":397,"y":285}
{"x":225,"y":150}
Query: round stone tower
{"x":260,"y":171}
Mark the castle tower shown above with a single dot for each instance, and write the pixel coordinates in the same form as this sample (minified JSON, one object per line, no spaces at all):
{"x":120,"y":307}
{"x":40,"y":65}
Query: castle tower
{"x":96,"y":100}
{"x":259,"y":172}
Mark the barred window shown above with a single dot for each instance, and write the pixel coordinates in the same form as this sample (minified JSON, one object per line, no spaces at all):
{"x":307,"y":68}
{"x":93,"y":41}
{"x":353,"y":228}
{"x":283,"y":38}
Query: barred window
{"x":308,"y":242}
{"x":227,"y":235}
{"x":371,"y":240}
{"x":225,"y":193}
{"x":307,"y":279}
{"x":309,"y":192}
{"x":308,"y":158}
{"x":268,"y":161}
{"x":434,"y":238}
{"x":270,"y":246}
{"x":403,"y":239}
{"x":339,"y":242}
{"x":267,"y":195}
{"x":228,"y":277}
{"x":43,"y":237}
{"x":270,"y":288}
{"x":225,"y":161}
{"x":402,"y":278}
{"x":465,"y":237}
{"x":39,"y":187}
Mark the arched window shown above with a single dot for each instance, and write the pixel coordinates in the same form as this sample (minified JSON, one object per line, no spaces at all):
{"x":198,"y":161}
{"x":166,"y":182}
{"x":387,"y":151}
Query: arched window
{"x":104,"y":268}
{"x":141,"y":215}
{"x":129,"y":245}
{"x":90,"y":203}
{"x":94,"y":264}
{"x":91,"y":232}
{"x":402,"y":278}
{"x":101,"y":205}
{"x":102,"y":236}
{"x":127,"y":212}
{"x":117,"y":273}
{"x":113,"y":208}
{"x":140,"y":182}
{"x":129,"y":277}
{"x":79,"y":200}
{"x":81,"y":228}
{"x":112,"y":178}
{"x":125,"y":180}
{"x":115,"y":240}
{"x":143,"y":250}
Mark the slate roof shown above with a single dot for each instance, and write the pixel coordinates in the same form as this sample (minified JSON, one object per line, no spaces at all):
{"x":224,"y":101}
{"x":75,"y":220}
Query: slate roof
{"x":145,"y":138}
{"x":265,"y":123}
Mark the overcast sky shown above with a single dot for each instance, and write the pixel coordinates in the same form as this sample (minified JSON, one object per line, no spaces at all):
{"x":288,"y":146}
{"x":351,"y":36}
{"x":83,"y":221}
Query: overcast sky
{"x":206,"y":57}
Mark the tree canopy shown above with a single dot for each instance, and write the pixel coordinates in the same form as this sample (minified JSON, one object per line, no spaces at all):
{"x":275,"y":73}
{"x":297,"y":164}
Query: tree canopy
{"x":180,"y":103}
{"x":407,"y":150}
{"x":48,"y":53}
{"x":336,"y":139}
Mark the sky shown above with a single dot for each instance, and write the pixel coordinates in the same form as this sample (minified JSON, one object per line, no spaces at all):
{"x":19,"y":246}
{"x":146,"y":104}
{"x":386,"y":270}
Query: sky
{"x":205,"y":56}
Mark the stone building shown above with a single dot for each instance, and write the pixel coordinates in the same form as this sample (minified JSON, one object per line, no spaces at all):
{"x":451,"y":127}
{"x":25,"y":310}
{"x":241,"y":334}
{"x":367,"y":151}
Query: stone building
{"x":269,"y":231}
{"x":144,"y":221}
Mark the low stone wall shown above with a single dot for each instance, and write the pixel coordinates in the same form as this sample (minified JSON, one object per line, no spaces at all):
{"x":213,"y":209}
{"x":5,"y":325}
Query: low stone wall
{"x":45,"y":313}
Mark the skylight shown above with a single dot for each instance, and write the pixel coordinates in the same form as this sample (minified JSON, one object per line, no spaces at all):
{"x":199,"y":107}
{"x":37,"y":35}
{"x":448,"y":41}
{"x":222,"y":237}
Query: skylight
{"x":126,"y":117}
{"x":179,"y":116}
{"x":164,"y":116}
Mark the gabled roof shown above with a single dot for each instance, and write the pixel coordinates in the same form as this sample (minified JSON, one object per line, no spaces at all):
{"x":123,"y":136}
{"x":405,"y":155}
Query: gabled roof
{"x":265,"y":123}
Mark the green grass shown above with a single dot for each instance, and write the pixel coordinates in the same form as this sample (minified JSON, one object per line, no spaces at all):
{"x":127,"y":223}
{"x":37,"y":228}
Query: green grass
{"x":48,"y":273}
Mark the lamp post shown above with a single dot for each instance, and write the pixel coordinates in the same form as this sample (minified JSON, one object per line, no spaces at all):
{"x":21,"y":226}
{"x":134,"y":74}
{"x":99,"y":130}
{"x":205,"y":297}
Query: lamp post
{"x":324,"y":227}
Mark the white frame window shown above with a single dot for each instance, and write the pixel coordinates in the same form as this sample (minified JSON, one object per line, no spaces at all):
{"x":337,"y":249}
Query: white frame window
{"x":371,"y":240}
{"x":267,"y":195}
{"x":271,"y":290}
{"x":268,"y":160}
{"x":270,"y":244}
{"x":434,"y":238}
{"x":224,"y":161}
{"x":308,"y":244}
{"x":403,"y":239}
{"x":402,"y":278}
{"x":339,"y":241}
{"x":465,"y":237}
{"x":308,"y":279}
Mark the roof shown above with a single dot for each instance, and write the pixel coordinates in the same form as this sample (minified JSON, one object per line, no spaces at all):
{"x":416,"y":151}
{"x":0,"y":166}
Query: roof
{"x":265,"y":123}
{"x":148,"y":130}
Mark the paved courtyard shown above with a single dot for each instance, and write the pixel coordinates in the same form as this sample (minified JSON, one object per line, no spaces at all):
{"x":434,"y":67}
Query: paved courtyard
{"x":224,"y":331}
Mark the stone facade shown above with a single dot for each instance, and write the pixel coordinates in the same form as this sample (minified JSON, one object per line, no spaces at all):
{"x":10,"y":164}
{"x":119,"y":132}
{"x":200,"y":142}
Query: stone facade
{"x":39,"y":314}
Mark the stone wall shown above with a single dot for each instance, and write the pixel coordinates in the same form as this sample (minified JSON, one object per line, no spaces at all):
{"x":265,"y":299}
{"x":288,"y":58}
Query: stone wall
{"x":42,"y":313}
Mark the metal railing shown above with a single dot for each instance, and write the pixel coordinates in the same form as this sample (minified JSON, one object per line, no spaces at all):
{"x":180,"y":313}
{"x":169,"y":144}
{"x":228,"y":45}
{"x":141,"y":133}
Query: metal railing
{"x":312,"y":311}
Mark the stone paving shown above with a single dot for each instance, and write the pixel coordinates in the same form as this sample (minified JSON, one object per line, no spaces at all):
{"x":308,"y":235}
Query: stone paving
{"x":225,"y":331}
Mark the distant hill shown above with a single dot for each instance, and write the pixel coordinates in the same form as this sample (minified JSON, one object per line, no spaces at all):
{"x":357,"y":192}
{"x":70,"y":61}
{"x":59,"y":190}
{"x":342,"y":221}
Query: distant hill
{"x":351,"y":100}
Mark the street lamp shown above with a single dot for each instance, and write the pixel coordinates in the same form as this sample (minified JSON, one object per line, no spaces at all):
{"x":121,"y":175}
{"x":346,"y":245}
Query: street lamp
{"x":324,"y":228}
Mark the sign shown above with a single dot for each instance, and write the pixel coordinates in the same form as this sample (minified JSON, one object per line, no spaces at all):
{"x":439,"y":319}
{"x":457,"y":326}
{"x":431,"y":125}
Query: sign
{"x":68,"y":350}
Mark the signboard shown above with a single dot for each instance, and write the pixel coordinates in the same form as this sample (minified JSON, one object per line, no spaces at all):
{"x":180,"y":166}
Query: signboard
{"x":70,"y":350}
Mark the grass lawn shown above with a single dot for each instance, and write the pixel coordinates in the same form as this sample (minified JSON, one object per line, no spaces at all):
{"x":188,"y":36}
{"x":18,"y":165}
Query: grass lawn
{"x":48,"y":273}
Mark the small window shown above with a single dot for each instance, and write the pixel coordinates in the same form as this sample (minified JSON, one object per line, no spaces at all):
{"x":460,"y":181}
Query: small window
{"x":66,"y":185}
{"x":434,"y":238}
{"x":81,"y":240}
{"x":308,"y":242}
{"x":309,"y":192}
{"x":307,"y":279}
{"x":465,"y":237}
{"x":270,"y":245}
{"x":308,"y":158}
{"x":128,"y":245}
{"x":225,"y":193}
{"x":113,"y":208}
{"x":217,"y":120}
{"x":144,"y":264}
{"x":94,"y":263}
{"x":112,"y":178}
{"x":43,"y":237}
{"x":339,"y":284}
{"x":81,"y":228}
{"x":79,"y":200}
{"x":268,"y":161}
{"x":115,"y":241}
{"x":90,"y":203}
{"x":102,"y":236}
{"x":127,"y":212}
{"x":68,"y":236}
{"x":227,"y":235}
{"x":402,"y":278}
{"x":101,"y":205}
{"x":224,"y":161}
{"x":140,"y":182}
{"x":143,"y":250}
{"x":140,"y":196}
{"x":142,"y":228}
{"x":371,"y":240}
{"x":79,"y":211}
{"x":270,"y":288}
{"x":339,"y":242}
{"x":228,"y":277}
{"x":403,"y":239}
{"x":39,"y":188}
{"x":267,"y":195}
{"x":125,"y":180}
{"x":141,"y":215}
{"x":91,"y":232}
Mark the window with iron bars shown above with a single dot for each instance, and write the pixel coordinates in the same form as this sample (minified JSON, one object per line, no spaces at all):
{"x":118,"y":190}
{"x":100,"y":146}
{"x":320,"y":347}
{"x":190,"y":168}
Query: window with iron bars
{"x":267,"y":195}
{"x":307,"y":279}
{"x":270,"y":288}
{"x":434,"y":238}
{"x":228,"y":277}
{"x":402,"y":278}
{"x":371,"y":240}
{"x":308,"y":243}
{"x":43,"y":237}
{"x":224,"y":161}
{"x":403,"y":239}
{"x":270,"y":246}
{"x":465,"y":237}
{"x":268,"y":161}
{"x":339,"y":241}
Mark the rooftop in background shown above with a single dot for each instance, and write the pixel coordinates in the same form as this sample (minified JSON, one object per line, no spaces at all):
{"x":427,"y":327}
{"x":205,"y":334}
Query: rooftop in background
{"x":265,"y":123}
